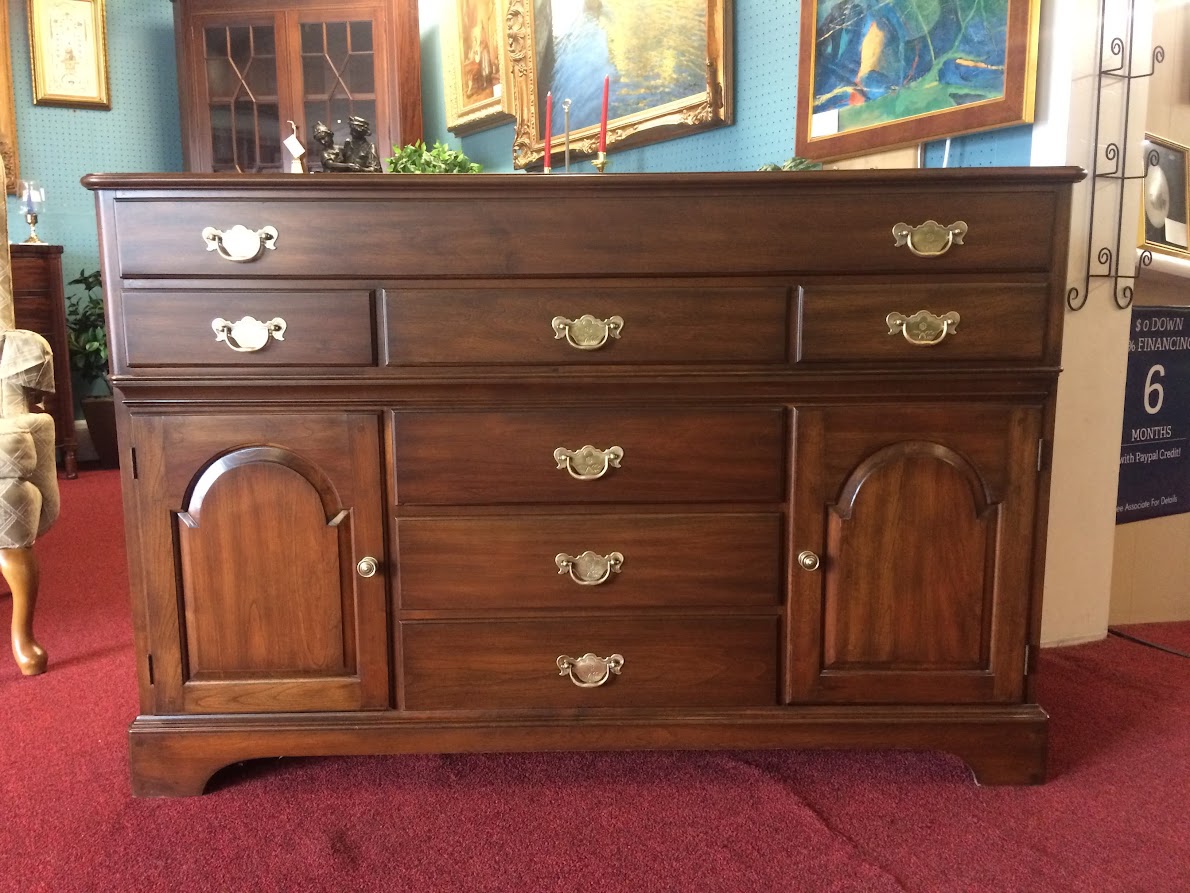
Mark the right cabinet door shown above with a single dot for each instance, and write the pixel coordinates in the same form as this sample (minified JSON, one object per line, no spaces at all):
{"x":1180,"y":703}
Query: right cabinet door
{"x":912,"y":553}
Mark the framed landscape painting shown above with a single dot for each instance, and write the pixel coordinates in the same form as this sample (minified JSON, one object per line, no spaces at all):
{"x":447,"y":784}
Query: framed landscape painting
{"x":668,"y":64}
{"x":475,"y":65}
{"x":878,"y":75}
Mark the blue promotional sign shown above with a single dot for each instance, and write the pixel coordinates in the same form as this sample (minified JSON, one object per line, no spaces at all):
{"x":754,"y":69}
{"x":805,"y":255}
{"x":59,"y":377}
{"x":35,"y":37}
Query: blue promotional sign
{"x":1154,"y":467}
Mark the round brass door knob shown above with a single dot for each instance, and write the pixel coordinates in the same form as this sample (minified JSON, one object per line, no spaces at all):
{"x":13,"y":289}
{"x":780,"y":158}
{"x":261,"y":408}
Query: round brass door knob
{"x":808,"y":560}
{"x":366,"y":567}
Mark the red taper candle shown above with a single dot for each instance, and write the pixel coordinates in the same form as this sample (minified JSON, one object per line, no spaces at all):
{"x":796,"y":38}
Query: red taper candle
{"x":549,"y":114}
{"x":603,"y":119}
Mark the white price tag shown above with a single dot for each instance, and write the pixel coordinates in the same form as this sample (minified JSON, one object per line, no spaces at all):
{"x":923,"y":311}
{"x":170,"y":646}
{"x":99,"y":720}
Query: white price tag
{"x":294,"y":145}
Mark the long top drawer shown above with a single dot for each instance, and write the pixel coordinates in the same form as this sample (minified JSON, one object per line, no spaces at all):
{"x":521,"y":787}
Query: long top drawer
{"x":497,"y":225}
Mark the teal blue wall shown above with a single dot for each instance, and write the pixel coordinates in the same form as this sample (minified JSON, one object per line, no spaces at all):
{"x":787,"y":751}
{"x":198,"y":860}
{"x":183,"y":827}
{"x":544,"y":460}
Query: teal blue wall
{"x":57,"y":146}
{"x":142,"y":132}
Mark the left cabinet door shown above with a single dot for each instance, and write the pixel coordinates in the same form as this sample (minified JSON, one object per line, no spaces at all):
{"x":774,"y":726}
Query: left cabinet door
{"x":248,"y":540}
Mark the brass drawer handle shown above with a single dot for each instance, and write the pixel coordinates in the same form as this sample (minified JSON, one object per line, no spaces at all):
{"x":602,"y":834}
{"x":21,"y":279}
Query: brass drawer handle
{"x":248,"y":334}
{"x":587,"y":332}
{"x":931,"y":239}
{"x":808,"y":560}
{"x":589,"y":569}
{"x":923,"y":328}
{"x":366,"y":566}
{"x":240,"y":244}
{"x":590,"y":671}
{"x":588,"y":464}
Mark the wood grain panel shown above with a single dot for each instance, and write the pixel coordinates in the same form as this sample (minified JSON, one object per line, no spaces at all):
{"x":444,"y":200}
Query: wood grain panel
{"x":1004,"y":323}
{"x":663,"y":322}
{"x":921,"y":515}
{"x":322,"y":329}
{"x":238,"y":578}
{"x":468,"y":564}
{"x":461,"y":458}
{"x":654,"y":226}
{"x":668,"y":662}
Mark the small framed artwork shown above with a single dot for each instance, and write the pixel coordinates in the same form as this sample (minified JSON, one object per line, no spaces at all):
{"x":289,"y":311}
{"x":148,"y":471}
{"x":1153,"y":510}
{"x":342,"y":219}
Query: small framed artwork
{"x":68,"y":46}
{"x":666,"y":66}
{"x":875,"y":76}
{"x":1164,"y":217}
{"x":475,"y":65}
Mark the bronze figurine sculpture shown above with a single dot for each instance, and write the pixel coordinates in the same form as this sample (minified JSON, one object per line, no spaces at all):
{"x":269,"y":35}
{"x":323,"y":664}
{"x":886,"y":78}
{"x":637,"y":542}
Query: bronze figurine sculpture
{"x":356,"y":154}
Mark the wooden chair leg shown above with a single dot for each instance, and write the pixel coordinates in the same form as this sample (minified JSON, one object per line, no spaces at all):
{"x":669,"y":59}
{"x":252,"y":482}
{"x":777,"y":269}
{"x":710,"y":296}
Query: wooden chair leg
{"x":19,"y":567}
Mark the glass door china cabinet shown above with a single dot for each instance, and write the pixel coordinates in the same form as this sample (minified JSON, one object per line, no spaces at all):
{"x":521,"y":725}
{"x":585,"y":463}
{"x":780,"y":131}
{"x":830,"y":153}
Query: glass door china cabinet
{"x":248,"y":68}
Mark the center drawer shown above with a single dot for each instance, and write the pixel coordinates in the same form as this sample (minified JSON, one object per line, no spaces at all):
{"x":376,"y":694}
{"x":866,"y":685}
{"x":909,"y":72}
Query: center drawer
{"x":707,"y":661}
{"x":567,"y":323}
{"x":589,"y":455}
{"x":589,"y":561}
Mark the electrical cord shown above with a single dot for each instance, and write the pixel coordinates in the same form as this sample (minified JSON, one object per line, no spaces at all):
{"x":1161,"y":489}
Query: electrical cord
{"x":1139,"y":641}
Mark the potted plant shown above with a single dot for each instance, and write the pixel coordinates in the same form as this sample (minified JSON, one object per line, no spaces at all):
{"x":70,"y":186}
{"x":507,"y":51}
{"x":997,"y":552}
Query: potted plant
{"x":86,"y":341}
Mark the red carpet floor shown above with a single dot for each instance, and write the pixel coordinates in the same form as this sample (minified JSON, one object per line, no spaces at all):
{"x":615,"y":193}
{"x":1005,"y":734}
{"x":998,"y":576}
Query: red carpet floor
{"x":1115,"y":815}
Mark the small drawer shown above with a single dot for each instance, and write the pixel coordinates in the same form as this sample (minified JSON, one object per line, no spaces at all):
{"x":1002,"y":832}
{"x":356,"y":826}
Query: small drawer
{"x":992,"y":323}
{"x":176,"y":328}
{"x":467,"y":564}
{"x":708,"y":661}
{"x":469,"y":458}
{"x":576,"y":324}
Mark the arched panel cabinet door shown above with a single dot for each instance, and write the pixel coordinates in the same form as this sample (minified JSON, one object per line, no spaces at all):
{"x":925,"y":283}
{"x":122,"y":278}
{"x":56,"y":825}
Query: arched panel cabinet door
{"x":912,"y":564}
{"x":252,"y":528}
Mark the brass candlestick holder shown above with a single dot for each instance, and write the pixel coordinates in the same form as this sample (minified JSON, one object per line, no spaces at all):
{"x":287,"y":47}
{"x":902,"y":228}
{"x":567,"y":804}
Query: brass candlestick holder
{"x":33,"y":239}
{"x":600,"y":161}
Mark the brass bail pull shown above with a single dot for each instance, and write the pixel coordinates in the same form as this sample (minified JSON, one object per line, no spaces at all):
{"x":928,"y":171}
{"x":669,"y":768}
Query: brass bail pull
{"x":248,"y":334}
{"x":588,"y":463}
{"x":930,"y":239}
{"x":240,"y":244}
{"x":923,"y":328}
{"x":590,"y":670}
{"x":590,"y":568}
{"x":587,"y":332}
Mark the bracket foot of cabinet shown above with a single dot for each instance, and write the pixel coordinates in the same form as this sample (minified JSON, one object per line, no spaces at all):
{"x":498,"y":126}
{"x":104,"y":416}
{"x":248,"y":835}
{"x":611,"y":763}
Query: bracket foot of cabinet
{"x":177,"y":756}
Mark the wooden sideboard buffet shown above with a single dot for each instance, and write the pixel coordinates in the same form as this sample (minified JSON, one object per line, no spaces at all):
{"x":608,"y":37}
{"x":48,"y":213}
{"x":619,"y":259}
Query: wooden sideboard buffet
{"x":526,"y":462}
{"x":40,"y":306}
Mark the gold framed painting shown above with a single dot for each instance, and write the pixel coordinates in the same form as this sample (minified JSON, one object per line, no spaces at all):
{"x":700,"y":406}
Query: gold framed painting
{"x":8,"y":113}
{"x":68,"y":50}
{"x":877,"y":76}
{"x":1166,"y":200}
{"x":668,"y":67}
{"x":475,"y":65}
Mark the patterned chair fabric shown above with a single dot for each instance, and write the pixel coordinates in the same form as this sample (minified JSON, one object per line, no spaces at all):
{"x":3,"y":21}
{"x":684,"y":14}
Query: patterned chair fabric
{"x":28,"y":475}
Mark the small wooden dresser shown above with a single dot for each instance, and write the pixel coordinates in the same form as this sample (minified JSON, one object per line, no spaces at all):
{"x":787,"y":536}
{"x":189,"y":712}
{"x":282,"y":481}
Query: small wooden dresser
{"x":40,"y":306}
{"x":525,"y":462}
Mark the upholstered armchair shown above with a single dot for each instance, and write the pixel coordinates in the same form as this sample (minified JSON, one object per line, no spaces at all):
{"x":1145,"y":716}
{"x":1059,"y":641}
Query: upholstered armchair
{"x":28,"y":474}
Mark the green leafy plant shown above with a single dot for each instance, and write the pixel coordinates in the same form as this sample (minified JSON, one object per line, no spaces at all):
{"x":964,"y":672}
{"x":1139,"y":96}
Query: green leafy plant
{"x":417,"y":159}
{"x":86,"y":331}
{"x":792,"y":164}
